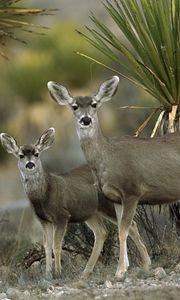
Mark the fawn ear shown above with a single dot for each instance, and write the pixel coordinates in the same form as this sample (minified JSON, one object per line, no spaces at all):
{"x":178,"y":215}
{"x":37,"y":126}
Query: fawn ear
{"x":107,"y":89}
{"x":46,"y":139}
{"x":59,"y":93}
{"x":9,"y":143}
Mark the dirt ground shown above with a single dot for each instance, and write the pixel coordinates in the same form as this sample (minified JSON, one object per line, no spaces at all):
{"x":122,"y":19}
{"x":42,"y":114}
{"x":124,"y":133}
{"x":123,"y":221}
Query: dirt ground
{"x":132,"y":288}
{"x":158,"y":283}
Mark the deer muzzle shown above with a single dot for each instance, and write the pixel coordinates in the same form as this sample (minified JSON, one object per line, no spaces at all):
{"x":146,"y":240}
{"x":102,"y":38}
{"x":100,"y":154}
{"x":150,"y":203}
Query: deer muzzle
{"x":86,"y":121}
{"x":30,"y":165}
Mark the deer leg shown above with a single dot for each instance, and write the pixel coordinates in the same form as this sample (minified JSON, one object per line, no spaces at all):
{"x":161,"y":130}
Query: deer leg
{"x":127,"y":214}
{"x":96,"y":224}
{"x":47,"y":228}
{"x":59,"y":231}
{"x":135,"y":236}
{"x":119,"y":210}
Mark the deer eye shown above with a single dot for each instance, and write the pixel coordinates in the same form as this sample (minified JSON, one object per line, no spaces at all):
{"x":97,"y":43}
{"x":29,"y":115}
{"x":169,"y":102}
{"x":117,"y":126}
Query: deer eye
{"x":74,"y":106}
{"x":36,"y":154}
{"x":94,"y":104}
{"x":21,"y":156}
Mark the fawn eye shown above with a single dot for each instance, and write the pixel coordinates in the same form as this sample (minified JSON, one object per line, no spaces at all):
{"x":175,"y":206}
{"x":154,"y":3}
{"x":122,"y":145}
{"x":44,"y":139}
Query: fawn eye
{"x":94,"y":104}
{"x":74,"y":106}
{"x":36,"y":154}
{"x":21,"y":156}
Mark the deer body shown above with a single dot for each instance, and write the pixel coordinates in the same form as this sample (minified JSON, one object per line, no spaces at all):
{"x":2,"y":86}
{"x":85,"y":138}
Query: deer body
{"x":59,"y":200}
{"x":153,"y":181}
{"x":60,"y":197}
{"x":129,"y":171}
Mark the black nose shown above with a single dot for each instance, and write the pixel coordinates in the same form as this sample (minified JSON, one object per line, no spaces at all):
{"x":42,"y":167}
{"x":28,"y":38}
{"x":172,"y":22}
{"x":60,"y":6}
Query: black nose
{"x":86,"y":121}
{"x":30,"y":165}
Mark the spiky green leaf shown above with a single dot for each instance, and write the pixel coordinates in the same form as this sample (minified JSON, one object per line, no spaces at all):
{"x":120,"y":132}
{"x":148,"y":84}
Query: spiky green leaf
{"x":152,"y":29}
{"x":12,"y":19}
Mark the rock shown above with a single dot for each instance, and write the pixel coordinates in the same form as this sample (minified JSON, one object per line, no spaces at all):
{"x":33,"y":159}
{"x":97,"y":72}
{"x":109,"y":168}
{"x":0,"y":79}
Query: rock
{"x":26,"y":295}
{"x":3,"y":296}
{"x":108,"y":284}
{"x":15,"y":294}
{"x":159,"y":273}
{"x":177,"y":268}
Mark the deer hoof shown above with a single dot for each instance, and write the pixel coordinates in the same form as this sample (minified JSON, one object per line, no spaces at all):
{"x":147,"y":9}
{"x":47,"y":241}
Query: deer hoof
{"x":147,"y":265}
{"x":85,"y":275}
{"x":120,"y":276}
{"x":57,"y":275}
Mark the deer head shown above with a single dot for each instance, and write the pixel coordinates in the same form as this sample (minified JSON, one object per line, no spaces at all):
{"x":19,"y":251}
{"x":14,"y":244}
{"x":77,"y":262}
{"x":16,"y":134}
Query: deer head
{"x":28,"y":155}
{"x":84,"y":108}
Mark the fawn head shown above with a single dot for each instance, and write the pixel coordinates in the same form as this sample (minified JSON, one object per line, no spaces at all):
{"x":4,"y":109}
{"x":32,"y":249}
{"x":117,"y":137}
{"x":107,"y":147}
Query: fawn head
{"x":84,"y":107}
{"x":28,"y":155}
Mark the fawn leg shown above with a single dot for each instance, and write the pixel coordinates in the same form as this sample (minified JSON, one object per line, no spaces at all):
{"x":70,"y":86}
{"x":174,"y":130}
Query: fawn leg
{"x":96,"y":224}
{"x":59,"y":231}
{"x":48,"y":241}
{"x":135,"y":236}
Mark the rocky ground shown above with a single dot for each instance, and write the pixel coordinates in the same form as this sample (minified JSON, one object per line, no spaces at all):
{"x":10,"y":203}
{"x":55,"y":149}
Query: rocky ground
{"x":158,"y":283}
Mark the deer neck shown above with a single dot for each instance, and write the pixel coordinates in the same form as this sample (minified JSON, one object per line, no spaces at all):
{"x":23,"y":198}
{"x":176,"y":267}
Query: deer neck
{"x":93,"y":142}
{"x":35,"y":183}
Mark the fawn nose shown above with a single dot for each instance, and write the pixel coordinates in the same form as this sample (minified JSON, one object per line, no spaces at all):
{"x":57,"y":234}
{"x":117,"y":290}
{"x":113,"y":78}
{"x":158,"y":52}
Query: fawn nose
{"x":85,"y":121}
{"x":30,"y":165}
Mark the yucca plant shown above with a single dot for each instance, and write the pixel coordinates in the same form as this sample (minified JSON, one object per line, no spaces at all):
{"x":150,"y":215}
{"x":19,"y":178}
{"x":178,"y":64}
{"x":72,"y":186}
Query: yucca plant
{"x":152,"y":61}
{"x":151,"y":58}
{"x":12,"y":18}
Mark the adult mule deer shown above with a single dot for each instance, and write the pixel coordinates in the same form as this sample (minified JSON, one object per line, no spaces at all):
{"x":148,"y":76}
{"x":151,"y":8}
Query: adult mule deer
{"x":58,"y":200}
{"x":129,"y":171}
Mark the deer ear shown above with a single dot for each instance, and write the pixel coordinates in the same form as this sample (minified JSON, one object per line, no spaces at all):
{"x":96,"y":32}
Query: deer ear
{"x":59,"y":93}
{"x":107,"y":89}
{"x":9,"y":143}
{"x":46,"y":139}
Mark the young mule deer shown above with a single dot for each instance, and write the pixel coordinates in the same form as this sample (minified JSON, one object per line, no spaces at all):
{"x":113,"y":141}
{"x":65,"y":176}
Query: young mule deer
{"x":58,"y":200}
{"x":128,"y":170}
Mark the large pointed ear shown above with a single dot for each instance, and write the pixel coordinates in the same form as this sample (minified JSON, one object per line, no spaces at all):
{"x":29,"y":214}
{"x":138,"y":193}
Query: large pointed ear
{"x":59,"y":93}
{"x":46,"y":139}
{"x":107,"y":89}
{"x":9,"y":143}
